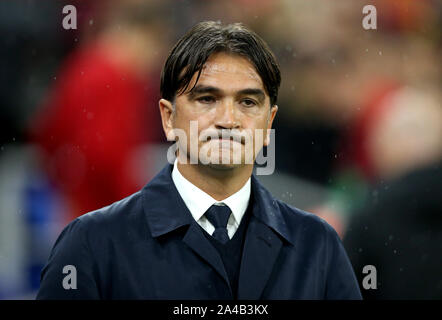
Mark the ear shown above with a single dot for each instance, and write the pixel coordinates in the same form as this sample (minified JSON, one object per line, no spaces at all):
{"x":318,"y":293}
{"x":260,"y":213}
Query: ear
{"x":273,"y":111}
{"x":167,"y":114}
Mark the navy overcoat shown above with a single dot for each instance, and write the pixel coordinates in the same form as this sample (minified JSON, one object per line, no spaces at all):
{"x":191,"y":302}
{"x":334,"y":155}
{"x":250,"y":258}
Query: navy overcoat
{"x":148,"y":246}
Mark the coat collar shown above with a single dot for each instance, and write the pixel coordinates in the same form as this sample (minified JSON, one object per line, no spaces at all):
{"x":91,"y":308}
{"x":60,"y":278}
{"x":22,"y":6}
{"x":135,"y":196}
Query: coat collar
{"x":166,"y":211}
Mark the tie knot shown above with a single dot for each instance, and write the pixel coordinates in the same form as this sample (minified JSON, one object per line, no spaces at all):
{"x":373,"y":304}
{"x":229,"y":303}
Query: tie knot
{"x":218,"y":215}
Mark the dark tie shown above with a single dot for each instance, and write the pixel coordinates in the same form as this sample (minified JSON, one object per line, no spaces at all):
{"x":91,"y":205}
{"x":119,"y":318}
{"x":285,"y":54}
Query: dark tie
{"x":218,"y":216}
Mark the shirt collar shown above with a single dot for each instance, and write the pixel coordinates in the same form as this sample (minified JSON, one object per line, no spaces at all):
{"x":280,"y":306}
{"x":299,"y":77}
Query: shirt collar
{"x":198,"y":201}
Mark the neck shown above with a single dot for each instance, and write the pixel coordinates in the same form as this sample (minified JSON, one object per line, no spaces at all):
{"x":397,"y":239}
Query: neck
{"x":218,"y":183}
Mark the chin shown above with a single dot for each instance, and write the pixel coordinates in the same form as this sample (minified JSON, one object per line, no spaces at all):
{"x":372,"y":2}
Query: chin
{"x":221,"y":166}
{"x":218,"y":162}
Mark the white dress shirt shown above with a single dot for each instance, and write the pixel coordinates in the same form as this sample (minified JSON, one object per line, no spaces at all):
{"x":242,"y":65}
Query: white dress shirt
{"x":197,"y":201}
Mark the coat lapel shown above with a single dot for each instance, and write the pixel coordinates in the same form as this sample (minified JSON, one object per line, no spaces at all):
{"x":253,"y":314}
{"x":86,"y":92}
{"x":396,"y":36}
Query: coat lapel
{"x":196,"y":240}
{"x":261,"y":249}
{"x":166,"y":211}
{"x":264,"y":239}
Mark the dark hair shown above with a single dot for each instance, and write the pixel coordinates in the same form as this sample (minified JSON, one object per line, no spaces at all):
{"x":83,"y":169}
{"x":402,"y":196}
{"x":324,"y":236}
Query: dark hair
{"x":191,"y":52}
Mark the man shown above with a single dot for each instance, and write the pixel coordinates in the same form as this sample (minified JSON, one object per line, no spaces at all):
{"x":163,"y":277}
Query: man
{"x":205,"y":228}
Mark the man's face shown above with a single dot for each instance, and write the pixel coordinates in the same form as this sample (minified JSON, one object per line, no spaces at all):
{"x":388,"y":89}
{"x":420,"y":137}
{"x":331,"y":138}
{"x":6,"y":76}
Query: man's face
{"x":229,"y":97}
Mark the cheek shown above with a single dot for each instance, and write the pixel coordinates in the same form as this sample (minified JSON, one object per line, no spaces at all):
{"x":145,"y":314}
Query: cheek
{"x":256,"y":122}
{"x":193,"y":124}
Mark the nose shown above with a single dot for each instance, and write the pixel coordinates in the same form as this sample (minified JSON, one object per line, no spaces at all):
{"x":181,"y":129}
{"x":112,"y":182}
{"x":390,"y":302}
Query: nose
{"x":226,"y":116}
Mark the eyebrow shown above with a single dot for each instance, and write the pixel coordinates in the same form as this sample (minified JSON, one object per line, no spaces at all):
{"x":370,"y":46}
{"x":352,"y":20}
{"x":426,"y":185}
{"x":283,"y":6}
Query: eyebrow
{"x":200,"y":89}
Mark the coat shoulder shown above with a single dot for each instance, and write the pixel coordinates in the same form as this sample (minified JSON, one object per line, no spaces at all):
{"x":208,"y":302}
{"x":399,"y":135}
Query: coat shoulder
{"x":304,"y":222}
{"x":115,"y":220}
{"x":115,"y":211}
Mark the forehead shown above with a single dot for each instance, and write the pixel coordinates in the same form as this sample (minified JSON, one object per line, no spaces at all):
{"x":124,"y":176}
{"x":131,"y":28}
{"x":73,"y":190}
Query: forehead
{"x":228,"y":72}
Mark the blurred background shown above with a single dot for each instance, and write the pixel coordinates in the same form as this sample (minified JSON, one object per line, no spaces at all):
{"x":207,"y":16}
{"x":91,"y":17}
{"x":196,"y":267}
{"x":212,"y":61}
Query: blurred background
{"x":358,"y":132}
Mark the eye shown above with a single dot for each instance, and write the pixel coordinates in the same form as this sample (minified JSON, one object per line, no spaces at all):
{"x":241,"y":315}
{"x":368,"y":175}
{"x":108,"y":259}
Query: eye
{"x":248,"y":102}
{"x":206,"y":99}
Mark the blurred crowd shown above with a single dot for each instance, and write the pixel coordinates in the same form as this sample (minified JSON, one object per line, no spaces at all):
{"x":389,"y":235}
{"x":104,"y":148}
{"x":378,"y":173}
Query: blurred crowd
{"x":358,"y":132}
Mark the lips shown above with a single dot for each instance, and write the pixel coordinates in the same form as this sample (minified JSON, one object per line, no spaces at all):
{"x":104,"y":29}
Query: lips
{"x":221,"y":139}
{"x":237,"y":140}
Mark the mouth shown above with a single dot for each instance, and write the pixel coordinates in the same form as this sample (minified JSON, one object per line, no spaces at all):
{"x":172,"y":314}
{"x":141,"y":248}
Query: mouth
{"x":232,"y":139}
